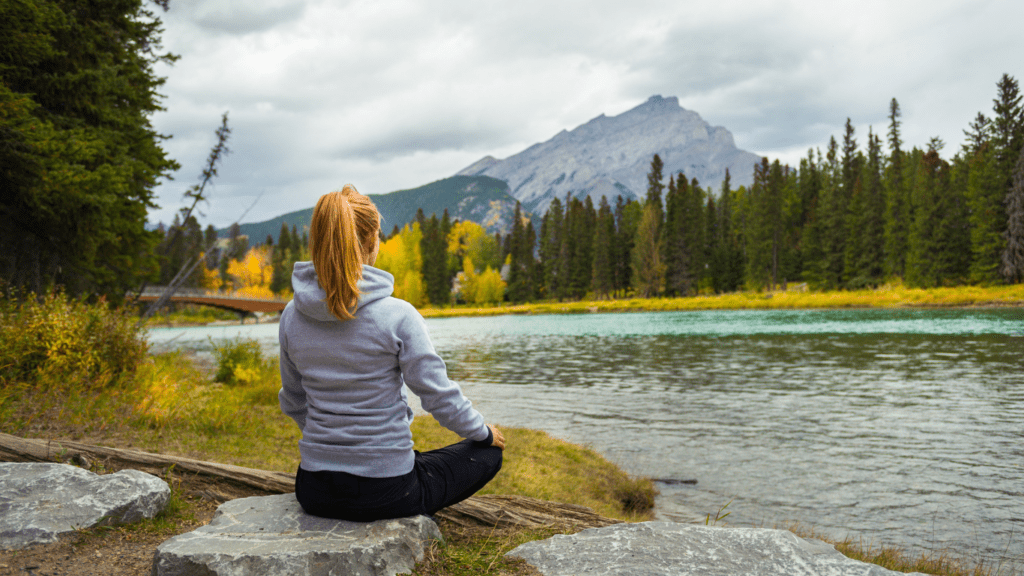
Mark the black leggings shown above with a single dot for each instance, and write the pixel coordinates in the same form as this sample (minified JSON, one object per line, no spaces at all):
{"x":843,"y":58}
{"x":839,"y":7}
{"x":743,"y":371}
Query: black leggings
{"x":439,"y":478}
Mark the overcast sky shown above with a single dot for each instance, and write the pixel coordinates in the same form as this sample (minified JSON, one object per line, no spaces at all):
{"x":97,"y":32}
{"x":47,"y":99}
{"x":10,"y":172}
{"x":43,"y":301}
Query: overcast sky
{"x":393,"y":94}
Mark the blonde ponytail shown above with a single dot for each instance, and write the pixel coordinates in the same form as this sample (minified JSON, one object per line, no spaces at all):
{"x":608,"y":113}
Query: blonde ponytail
{"x":342,"y":233}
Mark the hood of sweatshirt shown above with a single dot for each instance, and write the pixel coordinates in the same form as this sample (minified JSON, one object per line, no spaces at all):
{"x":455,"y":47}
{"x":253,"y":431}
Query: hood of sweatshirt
{"x":310,"y":298}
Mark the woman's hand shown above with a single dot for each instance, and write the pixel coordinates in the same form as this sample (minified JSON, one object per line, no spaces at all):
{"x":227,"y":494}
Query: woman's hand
{"x":499,"y":439}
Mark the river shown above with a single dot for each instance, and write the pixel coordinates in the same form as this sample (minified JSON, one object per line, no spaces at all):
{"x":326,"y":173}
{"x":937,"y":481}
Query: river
{"x":891,"y":426}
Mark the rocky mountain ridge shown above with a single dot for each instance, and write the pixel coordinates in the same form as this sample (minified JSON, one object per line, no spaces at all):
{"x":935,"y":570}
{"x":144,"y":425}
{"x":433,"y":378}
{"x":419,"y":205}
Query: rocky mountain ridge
{"x":611,"y":155}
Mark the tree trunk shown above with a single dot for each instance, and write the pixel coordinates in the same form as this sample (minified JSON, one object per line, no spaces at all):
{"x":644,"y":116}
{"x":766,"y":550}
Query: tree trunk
{"x":237,"y":481}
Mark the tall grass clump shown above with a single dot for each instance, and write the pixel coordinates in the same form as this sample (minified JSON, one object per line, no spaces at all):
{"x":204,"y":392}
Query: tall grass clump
{"x":53,"y":341}
{"x":242,"y":364}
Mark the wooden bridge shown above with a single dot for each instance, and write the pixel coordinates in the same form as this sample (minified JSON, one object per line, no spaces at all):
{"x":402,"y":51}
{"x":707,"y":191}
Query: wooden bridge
{"x":244,"y":306}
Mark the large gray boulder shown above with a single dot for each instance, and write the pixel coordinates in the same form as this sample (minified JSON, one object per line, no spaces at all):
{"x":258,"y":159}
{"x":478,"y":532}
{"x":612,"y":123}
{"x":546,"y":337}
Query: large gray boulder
{"x":271,"y":535}
{"x":662,"y":548}
{"x":41,"y":501}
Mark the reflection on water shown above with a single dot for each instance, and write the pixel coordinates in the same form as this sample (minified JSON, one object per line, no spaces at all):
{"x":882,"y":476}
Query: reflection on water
{"x":901,"y":426}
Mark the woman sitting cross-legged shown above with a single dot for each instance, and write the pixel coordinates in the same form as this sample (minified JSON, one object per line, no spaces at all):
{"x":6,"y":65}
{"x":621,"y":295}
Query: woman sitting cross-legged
{"x":347,"y":346}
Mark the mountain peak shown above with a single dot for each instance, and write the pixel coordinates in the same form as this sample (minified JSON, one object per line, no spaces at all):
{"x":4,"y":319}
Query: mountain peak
{"x":611,"y":155}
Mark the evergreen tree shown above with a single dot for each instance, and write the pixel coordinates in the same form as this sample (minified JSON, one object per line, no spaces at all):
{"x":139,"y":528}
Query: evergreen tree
{"x":1013,"y":254}
{"x":79,"y":158}
{"x":897,"y":200}
{"x":451,"y":265}
{"x":551,"y":248}
{"x":534,"y":270}
{"x":868,"y":218}
{"x":675,"y":252}
{"x":604,"y":235}
{"x":990,"y":181}
{"x":713,"y":277}
{"x":567,"y":248}
{"x":933,"y":257}
{"x":793,"y":216}
{"x":833,"y":238}
{"x":694,"y":232}
{"x":977,"y":134}
{"x":648,"y":271}
{"x":627,"y":220}
{"x":280,"y":279}
{"x":519,"y":267}
{"x":760,"y":229}
{"x":210,"y":242}
{"x":655,"y":187}
{"x":434,"y":250}
{"x":296,"y":245}
{"x":729,"y":257}
{"x":848,"y":202}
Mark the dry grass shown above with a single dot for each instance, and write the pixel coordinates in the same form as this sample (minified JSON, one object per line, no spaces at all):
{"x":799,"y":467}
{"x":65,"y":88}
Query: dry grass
{"x":894,"y":295}
{"x":537,"y":465}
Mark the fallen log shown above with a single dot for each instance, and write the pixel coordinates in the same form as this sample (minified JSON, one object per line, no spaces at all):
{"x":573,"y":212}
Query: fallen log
{"x":486,"y":510}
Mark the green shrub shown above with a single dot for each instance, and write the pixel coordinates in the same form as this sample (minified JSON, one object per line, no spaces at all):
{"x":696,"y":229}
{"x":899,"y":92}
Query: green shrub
{"x":56,"y":341}
{"x":241,"y":364}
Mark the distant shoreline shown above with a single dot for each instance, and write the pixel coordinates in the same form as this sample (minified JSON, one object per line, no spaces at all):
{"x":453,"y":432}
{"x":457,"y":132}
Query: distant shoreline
{"x":889,"y":296}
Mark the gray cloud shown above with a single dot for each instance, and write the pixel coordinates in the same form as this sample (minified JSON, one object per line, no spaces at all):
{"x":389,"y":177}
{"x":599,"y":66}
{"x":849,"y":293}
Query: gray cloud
{"x":391,"y":94}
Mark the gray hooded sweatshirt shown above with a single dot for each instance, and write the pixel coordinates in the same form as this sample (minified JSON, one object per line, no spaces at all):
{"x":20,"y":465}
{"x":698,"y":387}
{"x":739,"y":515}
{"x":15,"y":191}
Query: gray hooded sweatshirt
{"x":342,"y":380}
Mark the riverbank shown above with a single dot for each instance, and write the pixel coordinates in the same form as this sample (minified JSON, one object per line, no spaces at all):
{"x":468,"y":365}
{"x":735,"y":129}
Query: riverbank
{"x":887,"y":296}
{"x":171,"y":406}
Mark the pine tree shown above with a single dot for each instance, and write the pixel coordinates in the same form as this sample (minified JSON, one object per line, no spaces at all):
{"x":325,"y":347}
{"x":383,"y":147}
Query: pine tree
{"x":833,"y":240}
{"x":694,"y":232}
{"x":655,"y":187}
{"x":648,"y":271}
{"x":434,"y":250}
{"x":519,"y":269}
{"x":849,"y":202}
{"x":990,"y":180}
{"x":1013,"y":255}
{"x":759,"y":230}
{"x":729,"y":256}
{"x":551,"y":248}
{"x":897,"y":205}
{"x":626,"y":220}
{"x":675,"y":253}
{"x":534,"y":270}
{"x":604,"y":234}
{"x":282,"y":266}
{"x":868,"y":217}
{"x":79,"y":157}
{"x":567,"y":248}
{"x":933,"y":251}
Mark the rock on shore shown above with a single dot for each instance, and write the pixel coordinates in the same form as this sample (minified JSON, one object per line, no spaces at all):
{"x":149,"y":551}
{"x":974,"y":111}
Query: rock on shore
{"x":41,"y":501}
{"x":271,"y":535}
{"x":657,"y":548}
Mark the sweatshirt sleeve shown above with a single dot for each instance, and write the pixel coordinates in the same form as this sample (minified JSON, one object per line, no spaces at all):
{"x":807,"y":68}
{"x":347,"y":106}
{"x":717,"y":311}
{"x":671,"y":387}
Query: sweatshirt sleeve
{"x":292,"y":395}
{"x":426,"y":375}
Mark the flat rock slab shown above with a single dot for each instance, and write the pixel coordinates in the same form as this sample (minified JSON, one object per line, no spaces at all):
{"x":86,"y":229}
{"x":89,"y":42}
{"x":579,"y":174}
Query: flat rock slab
{"x":658,"y":548}
{"x":271,"y":535}
{"x":41,"y":501}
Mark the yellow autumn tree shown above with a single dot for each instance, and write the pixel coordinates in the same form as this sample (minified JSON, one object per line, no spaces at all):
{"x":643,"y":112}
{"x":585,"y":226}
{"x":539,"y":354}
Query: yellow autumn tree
{"x":471,"y":239}
{"x":401,"y":257}
{"x":251,"y":275}
{"x":483,"y":288}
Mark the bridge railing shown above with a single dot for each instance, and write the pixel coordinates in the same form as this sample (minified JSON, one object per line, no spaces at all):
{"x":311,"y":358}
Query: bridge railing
{"x":157,"y":291}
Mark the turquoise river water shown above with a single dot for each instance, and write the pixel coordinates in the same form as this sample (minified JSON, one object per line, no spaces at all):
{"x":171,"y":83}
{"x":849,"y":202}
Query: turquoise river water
{"x":892,"y":426}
